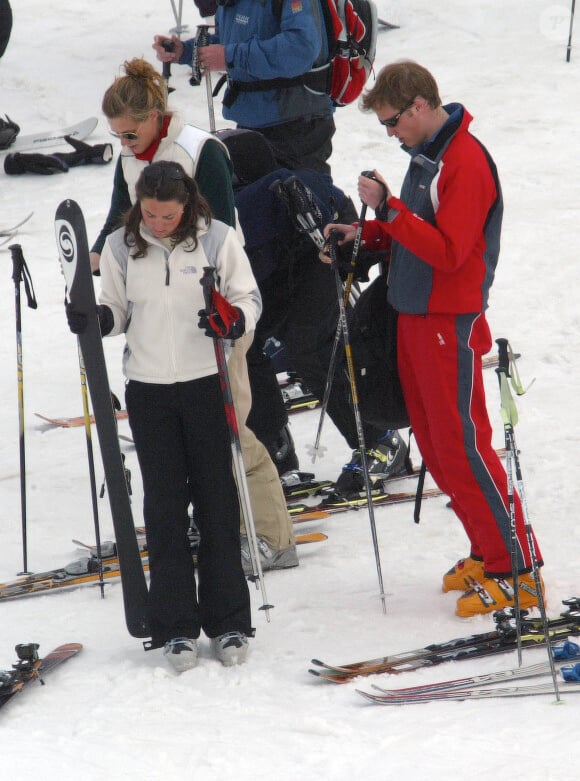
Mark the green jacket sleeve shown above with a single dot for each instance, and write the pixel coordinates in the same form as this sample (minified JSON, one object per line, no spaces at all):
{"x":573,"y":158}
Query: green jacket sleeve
{"x":214,"y":179}
{"x":120,"y":203}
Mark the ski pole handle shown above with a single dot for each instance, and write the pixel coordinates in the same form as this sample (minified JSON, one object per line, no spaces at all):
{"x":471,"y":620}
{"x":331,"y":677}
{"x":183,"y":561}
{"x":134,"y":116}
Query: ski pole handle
{"x":201,"y":39}
{"x":169,"y":46}
{"x":371,"y":175}
{"x":17,"y":262}
{"x":20,"y":273}
{"x":208,"y":284}
{"x":334,"y":237}
{"x":503,"y":357}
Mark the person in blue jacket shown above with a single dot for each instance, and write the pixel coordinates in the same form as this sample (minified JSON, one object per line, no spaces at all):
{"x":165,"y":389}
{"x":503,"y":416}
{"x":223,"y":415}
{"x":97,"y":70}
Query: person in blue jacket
{"x":256,"y":45}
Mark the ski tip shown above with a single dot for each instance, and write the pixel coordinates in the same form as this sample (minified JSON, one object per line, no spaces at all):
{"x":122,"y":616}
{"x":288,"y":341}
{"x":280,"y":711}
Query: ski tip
{"x":71,"y":647}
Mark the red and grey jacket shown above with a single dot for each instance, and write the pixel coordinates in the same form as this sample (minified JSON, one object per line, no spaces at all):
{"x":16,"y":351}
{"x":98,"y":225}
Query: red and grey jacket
{"x":445,"y":228}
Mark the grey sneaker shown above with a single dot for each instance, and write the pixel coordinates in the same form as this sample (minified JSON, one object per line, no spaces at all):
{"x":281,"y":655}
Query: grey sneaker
{"x":181,"y":652}
{"x":231,"y":648}
{"x":270,"y":558}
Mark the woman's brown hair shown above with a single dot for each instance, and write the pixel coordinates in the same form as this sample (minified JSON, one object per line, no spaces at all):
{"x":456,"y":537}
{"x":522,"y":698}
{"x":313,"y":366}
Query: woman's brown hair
{"x":167,"y":181}
{"x":138,"y":93}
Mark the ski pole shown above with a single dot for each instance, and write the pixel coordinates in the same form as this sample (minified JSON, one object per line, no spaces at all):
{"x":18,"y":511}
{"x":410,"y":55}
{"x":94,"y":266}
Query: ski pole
{"x":21,"y":273}
{"x":179,"y":28}
{"x":208,"y":283}
{"x":168,"y":46}
{"x":87,"y":418}
{"x":203,"y":40}
{"x":569,"y":46}
{"x":510,"y":419}
{"x":332,"y":240}
{"x":347,"y":290}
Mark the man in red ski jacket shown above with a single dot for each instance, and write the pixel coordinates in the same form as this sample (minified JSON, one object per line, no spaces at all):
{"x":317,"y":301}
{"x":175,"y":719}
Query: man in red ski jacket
{"x":443,"y":234}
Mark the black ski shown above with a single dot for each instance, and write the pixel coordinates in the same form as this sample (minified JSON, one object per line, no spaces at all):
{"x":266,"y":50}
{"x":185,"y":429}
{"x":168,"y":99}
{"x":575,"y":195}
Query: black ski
{"x":74,"y":258}
{"x":563,"y":655}
{"x":500,"y":640}
{"x":338,"y":504}
{"x":30,"y":667}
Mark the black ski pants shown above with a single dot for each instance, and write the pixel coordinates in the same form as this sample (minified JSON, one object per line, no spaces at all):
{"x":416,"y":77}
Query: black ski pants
{"x":184,"y":453}
{"x":301,"y":143}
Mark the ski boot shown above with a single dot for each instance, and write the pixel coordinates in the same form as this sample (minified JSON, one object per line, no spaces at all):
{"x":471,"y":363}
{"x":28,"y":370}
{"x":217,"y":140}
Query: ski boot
{"x":283,"y":452}
{"x":387,"y":458}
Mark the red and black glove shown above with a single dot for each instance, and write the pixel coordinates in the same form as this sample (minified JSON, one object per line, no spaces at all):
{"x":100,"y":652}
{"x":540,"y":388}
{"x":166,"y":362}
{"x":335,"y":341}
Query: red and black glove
{"x":224,"y":321}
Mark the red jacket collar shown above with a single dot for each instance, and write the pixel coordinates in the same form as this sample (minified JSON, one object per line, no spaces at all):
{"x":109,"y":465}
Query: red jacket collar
{"x":149,"y":153}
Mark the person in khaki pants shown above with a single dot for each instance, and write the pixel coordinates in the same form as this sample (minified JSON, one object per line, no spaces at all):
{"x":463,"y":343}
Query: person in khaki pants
{"x":271,"y":519}
{"x":136,"y":108}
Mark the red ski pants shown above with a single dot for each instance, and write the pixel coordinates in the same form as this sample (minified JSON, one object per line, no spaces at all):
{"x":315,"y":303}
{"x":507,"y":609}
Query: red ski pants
{"x":439,"y":359}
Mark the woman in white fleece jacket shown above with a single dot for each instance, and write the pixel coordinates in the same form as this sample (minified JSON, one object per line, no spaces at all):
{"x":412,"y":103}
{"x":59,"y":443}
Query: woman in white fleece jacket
{"x":150,"y":291}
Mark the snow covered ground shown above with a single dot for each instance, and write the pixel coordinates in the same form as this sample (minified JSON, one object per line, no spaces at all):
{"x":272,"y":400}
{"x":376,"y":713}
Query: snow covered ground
{"x":119,"y":713}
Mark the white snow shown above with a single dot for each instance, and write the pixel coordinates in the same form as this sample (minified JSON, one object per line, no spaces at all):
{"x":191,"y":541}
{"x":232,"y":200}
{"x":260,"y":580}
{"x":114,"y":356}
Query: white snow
{"x":115,"y":712}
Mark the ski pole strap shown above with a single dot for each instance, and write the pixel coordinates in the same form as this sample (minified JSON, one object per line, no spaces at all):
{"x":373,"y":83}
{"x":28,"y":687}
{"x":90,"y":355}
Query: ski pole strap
{"x":20,"y":273}
{"x":221,"y":314}
{"x":509,"y":412}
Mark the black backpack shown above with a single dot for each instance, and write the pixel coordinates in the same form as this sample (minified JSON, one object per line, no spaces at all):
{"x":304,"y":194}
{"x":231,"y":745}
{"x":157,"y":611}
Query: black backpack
{"x":373,"y":337}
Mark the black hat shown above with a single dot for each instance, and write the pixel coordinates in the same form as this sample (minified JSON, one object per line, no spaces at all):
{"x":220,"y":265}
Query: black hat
{"x":250,"y":152}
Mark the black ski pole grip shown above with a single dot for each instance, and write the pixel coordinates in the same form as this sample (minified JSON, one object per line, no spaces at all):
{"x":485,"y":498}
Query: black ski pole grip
{"x":208,"y":284}
{"x":203,"y":35}
{"x":169,"y":46}
{"x":20,"y":273}
{"x":503,"y":357}
{"x":201,"y":40}
{"x":17,"y":262}
{"x":334,"y":237}
{"x":371,"y":175}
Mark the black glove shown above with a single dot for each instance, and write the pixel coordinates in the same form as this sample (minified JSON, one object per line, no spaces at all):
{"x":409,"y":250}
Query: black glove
{"x":8,"y":132}
{"x":364,"y":261}
{"x":214,"y":325}
{"x":18,"y":163}
{"x":77,"y":321}
{"x":100,"y":154}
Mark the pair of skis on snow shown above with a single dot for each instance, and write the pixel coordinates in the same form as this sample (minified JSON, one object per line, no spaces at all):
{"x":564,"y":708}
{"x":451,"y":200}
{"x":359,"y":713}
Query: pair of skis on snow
{"x":87,"y":570}
{"x":501,"y":640}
